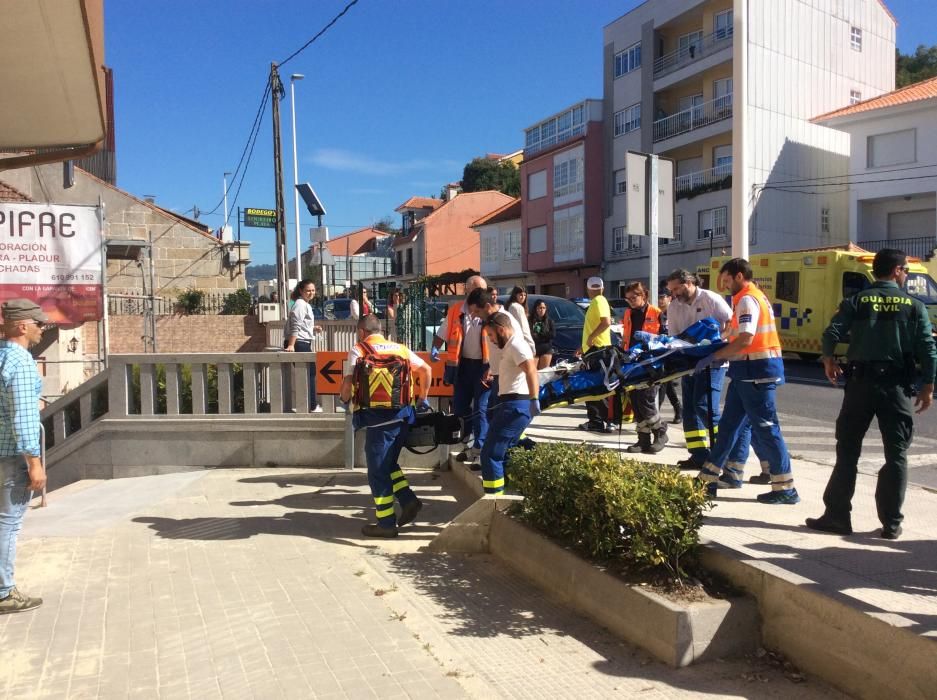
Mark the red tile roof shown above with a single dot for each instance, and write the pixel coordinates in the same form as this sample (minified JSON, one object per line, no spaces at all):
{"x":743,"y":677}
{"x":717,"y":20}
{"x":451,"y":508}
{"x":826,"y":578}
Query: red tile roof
{"x":511,"y":210}
{"x":11,"y":194}
{"x":924,"y":90}
{"x":421,"y":203}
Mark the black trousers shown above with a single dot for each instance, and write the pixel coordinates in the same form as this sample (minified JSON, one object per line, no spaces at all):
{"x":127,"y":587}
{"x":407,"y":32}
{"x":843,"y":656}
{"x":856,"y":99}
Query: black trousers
{"x":865,"y":398}
{"x":670,"y":389}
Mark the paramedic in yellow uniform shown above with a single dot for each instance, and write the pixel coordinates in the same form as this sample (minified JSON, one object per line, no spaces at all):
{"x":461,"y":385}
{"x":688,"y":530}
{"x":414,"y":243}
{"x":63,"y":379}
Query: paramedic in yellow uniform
{"x":386,"y":380}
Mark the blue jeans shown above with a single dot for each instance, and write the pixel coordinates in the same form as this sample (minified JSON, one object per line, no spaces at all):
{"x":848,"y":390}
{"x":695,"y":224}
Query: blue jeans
{"x":510,"y":420}
{"x":470,"y":397}
{"x":382,"y":446}
{"x":696,"y":411}
{"x":14,"y":499}
{"x":306,"y":346}
{"x":750,"y":415}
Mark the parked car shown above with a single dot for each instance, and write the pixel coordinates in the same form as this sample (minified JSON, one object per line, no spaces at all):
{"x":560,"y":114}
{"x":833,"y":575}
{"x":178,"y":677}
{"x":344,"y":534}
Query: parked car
{"x":568,"y":318}
{"x":337,"y":309}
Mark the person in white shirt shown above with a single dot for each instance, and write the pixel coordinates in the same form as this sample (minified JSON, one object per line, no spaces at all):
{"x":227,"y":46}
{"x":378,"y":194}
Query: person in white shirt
{"x":689,"y":304}
{"x":518,"y":400}
{"x":301,"y":330}
{"x":517,"y":307}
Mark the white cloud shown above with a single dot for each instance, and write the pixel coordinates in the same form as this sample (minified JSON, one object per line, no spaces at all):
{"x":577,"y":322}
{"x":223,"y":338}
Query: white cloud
{"x":339,"y":159}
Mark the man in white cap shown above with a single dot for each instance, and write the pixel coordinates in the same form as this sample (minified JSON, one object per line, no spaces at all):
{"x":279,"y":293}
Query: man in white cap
{"x":21,"y":469}
{"x":596,"y":334}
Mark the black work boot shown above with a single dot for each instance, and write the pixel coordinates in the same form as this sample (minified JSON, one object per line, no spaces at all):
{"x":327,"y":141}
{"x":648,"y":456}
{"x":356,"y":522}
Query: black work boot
{"x":827,"y":523}
{"x":642,"y":445}
{"x":660,"y":439}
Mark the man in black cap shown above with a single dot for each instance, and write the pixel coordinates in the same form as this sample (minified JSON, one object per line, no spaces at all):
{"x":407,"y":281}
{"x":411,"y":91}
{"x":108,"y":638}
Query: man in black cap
{"x":21,"y":468}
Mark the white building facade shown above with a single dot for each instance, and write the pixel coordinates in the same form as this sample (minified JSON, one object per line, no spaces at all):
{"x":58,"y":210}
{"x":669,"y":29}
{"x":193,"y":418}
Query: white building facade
{"x":501,"y":247}
{"x":893,"y":169}
{"x":726,"y":89}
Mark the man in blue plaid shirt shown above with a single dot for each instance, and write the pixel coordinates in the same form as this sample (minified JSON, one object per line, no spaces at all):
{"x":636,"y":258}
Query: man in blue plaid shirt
{"x":21,"y":468}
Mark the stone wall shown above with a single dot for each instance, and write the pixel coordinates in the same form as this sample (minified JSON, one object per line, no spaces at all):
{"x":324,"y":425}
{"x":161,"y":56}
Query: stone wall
{"x":183,"y":334}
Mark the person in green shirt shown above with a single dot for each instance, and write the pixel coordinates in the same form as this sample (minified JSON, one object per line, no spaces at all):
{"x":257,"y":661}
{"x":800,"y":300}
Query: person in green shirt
{"x":596,"y":333}
{"x":888,"y":331}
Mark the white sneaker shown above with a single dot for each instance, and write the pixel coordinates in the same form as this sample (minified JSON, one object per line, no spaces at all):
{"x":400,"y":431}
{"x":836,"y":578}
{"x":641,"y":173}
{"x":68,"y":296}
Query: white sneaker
{"x":317,"y":409}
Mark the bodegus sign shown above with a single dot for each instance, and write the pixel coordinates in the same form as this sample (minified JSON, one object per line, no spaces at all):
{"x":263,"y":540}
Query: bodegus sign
{"x":260,"y":218}
{"x":52,"y":254}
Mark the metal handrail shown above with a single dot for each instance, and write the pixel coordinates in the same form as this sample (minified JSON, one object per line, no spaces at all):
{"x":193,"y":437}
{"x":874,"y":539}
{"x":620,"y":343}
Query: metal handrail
{"x":918,"y":246}
{"x":706,"y":46}
{"x":693,"y":118}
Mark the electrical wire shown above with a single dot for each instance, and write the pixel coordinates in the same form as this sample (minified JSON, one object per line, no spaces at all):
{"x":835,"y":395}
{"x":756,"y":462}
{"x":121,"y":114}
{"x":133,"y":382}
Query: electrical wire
{"x":247,"y":162}
{"x":320,"y":33}
{"x":252,"y":136}
{"x":785,"y":183}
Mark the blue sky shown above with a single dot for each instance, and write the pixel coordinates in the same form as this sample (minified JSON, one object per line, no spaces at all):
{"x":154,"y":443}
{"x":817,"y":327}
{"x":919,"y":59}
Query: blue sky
{"x":397,"y":96}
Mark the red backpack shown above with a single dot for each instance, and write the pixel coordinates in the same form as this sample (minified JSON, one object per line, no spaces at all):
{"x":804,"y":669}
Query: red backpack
{"x":381,"y":381}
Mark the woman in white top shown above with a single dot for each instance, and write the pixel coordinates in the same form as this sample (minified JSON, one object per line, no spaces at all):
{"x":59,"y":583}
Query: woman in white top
{"x":517,"y":307}
{"x":301,"y":329}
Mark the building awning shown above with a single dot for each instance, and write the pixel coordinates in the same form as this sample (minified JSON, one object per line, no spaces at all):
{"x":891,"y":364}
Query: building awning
{"x":52,"y":58}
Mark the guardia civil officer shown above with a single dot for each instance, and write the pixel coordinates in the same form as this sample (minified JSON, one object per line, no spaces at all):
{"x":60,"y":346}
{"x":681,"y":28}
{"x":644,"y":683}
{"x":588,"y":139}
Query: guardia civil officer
{"x":383,"y":391}
{"x":888,"y":332}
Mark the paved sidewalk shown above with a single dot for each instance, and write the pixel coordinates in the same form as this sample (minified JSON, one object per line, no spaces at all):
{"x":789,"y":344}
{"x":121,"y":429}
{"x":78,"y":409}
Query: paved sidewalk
{"x":895,"y":581}
{"x":254,"y":583}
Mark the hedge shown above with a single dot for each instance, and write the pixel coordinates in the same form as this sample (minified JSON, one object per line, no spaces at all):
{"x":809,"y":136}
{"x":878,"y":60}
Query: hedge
{"x":646,"y":515}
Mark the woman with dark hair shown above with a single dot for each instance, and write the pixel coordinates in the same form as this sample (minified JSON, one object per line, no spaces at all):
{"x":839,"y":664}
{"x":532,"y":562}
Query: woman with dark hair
{"x":543,"y":332}
{"x":301,"y":329}
{"x":517,"y":307}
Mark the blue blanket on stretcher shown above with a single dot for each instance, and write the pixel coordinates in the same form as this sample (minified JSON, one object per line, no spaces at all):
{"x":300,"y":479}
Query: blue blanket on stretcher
{"x":652,"y":360}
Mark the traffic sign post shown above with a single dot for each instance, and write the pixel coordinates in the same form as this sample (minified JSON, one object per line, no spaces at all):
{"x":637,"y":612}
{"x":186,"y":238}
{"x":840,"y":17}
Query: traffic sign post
{"x":329,"y":373}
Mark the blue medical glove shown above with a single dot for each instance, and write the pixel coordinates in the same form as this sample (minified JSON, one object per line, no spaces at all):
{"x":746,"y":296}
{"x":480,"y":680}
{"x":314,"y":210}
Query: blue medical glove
{"x":704,"y":363}
{"x":534,"y":408}
{"x":434,"y":354}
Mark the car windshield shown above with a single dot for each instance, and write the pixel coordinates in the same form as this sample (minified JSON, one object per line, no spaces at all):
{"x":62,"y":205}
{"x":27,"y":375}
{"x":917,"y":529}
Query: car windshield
{"x":562,"y":311}
{"x":922,"y":287}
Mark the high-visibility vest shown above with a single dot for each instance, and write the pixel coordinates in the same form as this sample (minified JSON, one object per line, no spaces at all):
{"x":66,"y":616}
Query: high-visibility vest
{"x":454,"y":319}
{"x":765,"y":344}
{"x":651,"y":324}
{"x":381,"y":377}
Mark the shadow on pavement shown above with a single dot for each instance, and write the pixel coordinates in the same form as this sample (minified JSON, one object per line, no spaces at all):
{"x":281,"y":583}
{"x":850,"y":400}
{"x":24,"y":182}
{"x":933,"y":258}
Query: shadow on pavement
{"x":908,"y":569}
{"x":330,"y":509}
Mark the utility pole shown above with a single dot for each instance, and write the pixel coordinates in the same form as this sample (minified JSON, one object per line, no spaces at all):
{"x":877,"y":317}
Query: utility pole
{"x":277,"y":91}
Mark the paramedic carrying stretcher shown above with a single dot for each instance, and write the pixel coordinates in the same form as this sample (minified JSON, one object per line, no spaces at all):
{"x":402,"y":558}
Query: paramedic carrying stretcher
{"x":386,"y":380}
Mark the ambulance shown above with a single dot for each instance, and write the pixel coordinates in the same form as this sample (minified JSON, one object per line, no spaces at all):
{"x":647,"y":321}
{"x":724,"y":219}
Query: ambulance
{"x":806,"y":287}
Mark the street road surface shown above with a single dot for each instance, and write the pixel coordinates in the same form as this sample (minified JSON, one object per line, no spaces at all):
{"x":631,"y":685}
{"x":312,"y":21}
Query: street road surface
{"x":808,"y":406}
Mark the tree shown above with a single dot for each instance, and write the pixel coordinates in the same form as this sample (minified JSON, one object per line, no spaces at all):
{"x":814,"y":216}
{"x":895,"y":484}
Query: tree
{"x":485,"y":174}
{"x":386,"y":224}
{"x":913,"y":68}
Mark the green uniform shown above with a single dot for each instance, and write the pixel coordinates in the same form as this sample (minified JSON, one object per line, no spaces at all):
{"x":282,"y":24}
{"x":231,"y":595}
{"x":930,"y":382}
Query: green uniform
{"x":888,"y":331}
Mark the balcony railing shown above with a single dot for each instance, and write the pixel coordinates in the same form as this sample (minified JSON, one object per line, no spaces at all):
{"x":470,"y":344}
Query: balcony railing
{"x":694,"y":118}
{"x":706,"y":46}
{"x":919,"y":247}
{"x":692,"y":184}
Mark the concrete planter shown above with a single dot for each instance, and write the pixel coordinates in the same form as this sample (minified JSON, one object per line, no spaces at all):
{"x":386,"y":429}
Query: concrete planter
{"x":677,"y":634}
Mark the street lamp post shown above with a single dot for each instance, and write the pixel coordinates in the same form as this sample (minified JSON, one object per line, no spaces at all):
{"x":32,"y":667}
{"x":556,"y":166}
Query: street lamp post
{"x":293,"y":78}
{"x":225,"y":200}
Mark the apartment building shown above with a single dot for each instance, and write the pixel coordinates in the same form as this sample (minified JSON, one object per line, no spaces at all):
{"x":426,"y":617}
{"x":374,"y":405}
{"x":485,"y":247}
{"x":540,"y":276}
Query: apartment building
{"x":499,"y":235}
{"x":893,"y":168}
{"x":561,"y":199}
{"x":727,"y":89}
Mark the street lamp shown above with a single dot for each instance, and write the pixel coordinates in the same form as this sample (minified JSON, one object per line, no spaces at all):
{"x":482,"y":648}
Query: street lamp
{"x":225,"y":200}
{"x":293,"y":79}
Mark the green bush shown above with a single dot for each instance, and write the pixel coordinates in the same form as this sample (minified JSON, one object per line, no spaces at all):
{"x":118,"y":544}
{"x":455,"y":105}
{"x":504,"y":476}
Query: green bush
{"x":191,"y":301}
{"x":237,"y":303}
{"x":646,"y":515}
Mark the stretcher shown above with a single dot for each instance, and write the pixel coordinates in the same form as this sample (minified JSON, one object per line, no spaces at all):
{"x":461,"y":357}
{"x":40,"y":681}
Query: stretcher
{"x":653,"y":359}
